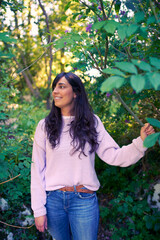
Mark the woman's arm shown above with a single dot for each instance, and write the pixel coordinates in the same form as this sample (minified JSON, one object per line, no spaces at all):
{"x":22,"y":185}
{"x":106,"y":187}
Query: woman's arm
{"x":111,"y":153}
{"x":38,"y":167}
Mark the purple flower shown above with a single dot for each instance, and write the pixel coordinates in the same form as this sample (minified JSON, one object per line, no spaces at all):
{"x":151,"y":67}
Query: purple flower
{"x":126,"y":121}
{"x":75,"y":68}
{"x":65,"y":43}
{"x":108,"y":94}
{"x":122,"y":13}
{"x":80,"y":16}
{"x":99,"y":7}
{"x":134,"y":92}
{"x":99,"y":19}
{"x":88,"y":28}
{"x":66,"y":31}
{"x":96,"y":92}
{"x":116,"y":16}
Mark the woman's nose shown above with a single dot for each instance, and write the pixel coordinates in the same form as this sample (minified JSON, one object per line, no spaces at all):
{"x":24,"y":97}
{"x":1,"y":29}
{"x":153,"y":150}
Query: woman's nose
{"x":55,"y":90}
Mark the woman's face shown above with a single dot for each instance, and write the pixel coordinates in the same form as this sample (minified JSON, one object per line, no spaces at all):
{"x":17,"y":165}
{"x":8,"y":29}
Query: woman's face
{"x":64,"y":96}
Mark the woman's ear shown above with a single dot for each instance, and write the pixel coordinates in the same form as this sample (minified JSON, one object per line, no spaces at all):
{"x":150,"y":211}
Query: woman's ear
{"x":74,"y":95}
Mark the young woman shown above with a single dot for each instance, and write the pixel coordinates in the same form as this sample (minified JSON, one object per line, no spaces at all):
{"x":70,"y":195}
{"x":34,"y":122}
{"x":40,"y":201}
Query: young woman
{"x":63,"y":177}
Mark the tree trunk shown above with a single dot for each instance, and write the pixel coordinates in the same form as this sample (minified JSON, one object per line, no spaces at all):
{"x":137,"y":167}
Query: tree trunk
{"x":50,"y":53}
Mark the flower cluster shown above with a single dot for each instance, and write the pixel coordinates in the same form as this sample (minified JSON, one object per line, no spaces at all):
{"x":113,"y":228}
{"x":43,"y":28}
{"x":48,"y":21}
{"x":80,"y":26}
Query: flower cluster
{"x":108,"y":94}
{"x":88,"y":28}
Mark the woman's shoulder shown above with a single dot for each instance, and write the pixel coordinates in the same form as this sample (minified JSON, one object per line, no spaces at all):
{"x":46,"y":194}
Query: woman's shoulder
{"x":41,"y":125}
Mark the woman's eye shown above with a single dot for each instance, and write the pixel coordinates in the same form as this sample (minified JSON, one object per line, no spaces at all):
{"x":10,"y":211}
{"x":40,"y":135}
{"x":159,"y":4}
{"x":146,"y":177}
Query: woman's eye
{"x":62,"y":86}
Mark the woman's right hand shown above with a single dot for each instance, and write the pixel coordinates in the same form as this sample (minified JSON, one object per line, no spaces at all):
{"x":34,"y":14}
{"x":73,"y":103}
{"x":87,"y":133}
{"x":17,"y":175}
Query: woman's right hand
{"x":41,"y":223}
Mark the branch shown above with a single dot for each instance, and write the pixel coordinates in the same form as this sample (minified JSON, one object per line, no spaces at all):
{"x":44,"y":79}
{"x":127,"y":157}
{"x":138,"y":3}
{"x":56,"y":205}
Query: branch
{"x":10,"y":179}
{"x":127,"y":108}
{"x":154,"y":12}
{"x":118,"y":50}
{"x":104,"y":15}
{"x":100,"y":55}
{"x":92,"y":57}
{"x":110,"y":8}
{"x":106,"y":52}
{"x":16,"y":226}
{"x":90,"y":9}
{"x":125,"y":105}
{"x":34,"y":62}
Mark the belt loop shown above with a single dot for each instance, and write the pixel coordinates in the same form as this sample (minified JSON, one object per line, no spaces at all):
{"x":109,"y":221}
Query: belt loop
{"x":75,"y":190}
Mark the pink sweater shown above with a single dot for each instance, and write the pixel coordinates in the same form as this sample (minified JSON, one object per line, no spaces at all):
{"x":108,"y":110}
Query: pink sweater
{"x":52,"y":169}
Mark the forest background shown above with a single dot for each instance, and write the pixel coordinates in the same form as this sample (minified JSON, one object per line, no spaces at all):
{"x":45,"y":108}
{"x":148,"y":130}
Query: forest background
{"x":114,"y":47}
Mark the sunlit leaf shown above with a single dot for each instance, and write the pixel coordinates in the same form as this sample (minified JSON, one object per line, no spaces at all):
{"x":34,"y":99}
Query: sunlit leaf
{"x":122,"y":31}
{"x":155,"y":62}
{"x":127,"y":67}
{"x":142,"y":65}
{"x":151,"y":140}
{"x":110,"y":26}
{"x":154,"y":79}
{"x":137,"y":82}
{"x":153,"y":122}
{"x":131,"y":29}
{"x":112,"y":82}
{"x":113,"y":71}
{"x":98,"y":25}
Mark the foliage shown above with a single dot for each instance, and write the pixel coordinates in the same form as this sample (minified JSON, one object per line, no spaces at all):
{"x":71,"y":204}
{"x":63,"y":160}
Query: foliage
{"x":120,"y":39}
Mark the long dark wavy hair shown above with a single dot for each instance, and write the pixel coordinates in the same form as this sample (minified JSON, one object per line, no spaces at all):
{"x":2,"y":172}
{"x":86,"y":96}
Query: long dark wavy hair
{"x":83,"y":126}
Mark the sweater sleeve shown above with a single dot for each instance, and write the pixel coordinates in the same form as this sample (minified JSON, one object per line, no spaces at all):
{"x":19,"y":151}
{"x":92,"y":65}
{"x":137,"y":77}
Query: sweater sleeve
{"x":38,"y":166}
{"x":112,"y":154}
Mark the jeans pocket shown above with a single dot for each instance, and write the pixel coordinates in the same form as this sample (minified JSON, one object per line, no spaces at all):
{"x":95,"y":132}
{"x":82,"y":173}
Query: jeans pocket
{"x":83,"y":195}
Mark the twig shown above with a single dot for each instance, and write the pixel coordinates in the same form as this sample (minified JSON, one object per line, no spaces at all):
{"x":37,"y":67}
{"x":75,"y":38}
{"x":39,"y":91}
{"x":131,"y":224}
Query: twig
{"x":118,"y":50}
{"x":100,"y":55}
{"x":110,"y":8}
{"x":16,"y":226}
{"x":34,"y":62}
{"x":128,"y":109}
{"x":90,"y":8}
{"x":104,"y":15}
{"x":125,"y":105}
{"x":154,"y":12}
{"x":106,"y":52}
{"x":10,"y":179}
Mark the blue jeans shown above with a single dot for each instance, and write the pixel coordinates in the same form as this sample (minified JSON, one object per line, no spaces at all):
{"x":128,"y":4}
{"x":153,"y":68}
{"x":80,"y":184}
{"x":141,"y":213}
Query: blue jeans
{"x":72,"y":215}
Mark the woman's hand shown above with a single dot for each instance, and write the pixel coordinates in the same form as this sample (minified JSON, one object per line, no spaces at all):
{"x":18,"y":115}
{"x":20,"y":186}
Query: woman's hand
{"x":146,"y":130}
{"x":41,"y":223}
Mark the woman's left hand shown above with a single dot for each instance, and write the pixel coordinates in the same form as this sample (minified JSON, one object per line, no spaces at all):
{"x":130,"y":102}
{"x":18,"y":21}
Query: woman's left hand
{"x":146,"y":130}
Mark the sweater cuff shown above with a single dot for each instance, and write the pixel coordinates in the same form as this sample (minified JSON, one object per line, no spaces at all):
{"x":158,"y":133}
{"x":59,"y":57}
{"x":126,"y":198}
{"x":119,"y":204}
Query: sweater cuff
{"x":138,"y":142}
{"x":39,"y":213}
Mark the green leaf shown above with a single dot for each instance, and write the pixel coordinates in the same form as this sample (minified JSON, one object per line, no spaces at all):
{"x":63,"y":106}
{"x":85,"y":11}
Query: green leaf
{"x":122,"y":31}
{"x":154,"y":79}
{"x":155,"y":62}
{"x":5,"y":38}
{"x":153,"y":122}
{"x":110,"y":26}
{"x":142,"y":65}
{"x":144,"y":32}
{"x":6,"y":55}
{"x":131,"y":29}
{"x":98,"y":25}
{"x":139,"y":17}
{"x":127,"y":67}
{"x":151,"y":19}
{"x":151,"y":140}
{"x":137,"y":82}
{"x":112,"y":82}
{"x":113,"y":71}
{"x":67,"y":6}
